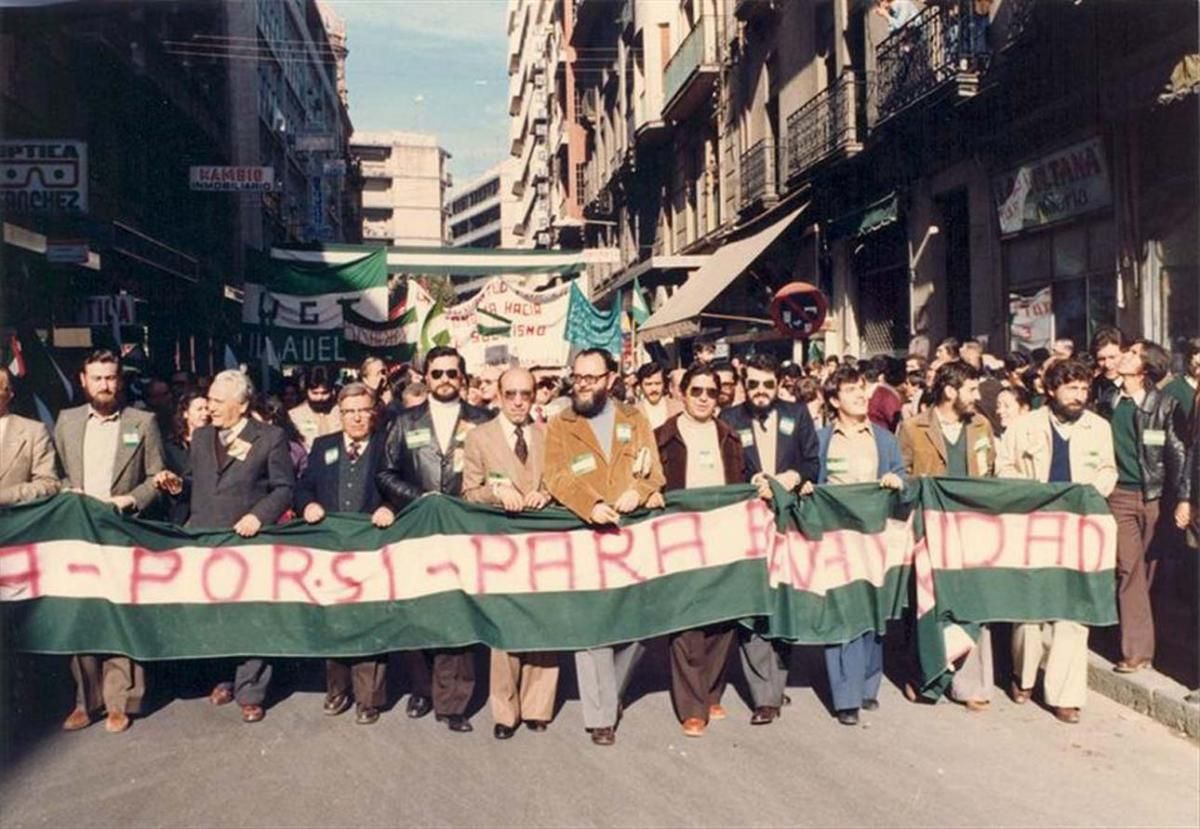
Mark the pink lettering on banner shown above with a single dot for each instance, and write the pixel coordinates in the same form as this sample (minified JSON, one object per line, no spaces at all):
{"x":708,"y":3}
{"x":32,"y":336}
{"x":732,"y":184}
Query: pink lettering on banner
{"x":485,"y":565}
{"x":386,"y":557}
{"x":946,"y":546}
{"x":141,"y":574}
{"x":280,"y":574}
{"x":976,"y":553}
{"x":760,"y":528}
{"x":837,"y":556}
{"x":1053,"y":539}
{"x":566,"y":561}
{"x":777,"y":561}
{"x":690,"y":541}
{"x":221,"y":555}
{"x":1085,"y":526}
{"x":355,"y":586}
{"x":443,"y":567}
{"x":803,"y":567}
{"x":874,"y":550}
{"x":923,"y":574}
{"x":608,"y":555}
{"x":20,"y":583}
{"x":83,"y":569}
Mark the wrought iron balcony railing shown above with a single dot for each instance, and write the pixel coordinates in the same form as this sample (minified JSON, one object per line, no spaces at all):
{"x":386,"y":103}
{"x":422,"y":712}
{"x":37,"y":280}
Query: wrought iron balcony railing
{"x":759,"y":180}
{"x":825,"y":125}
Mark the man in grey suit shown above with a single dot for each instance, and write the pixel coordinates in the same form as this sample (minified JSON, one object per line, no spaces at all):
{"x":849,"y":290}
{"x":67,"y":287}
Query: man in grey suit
{"x":109,"y":452}
{"x":27,"y":461}
{"x":242,"y":478}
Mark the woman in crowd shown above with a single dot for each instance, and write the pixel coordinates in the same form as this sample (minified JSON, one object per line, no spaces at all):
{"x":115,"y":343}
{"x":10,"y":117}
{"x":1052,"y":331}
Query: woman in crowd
{"x":1011,"y":403}
{"x":269,"y":409}
{"x":190,"y":414}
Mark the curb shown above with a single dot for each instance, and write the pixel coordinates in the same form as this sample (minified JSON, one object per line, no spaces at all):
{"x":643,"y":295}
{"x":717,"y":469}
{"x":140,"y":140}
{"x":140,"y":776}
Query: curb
{"x":1147,"y":692}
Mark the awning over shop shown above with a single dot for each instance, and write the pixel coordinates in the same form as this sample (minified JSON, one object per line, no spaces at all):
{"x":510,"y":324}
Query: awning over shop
{"x":455,"y":261}
{"x":679,"y":316}
{"x":866,"y":220}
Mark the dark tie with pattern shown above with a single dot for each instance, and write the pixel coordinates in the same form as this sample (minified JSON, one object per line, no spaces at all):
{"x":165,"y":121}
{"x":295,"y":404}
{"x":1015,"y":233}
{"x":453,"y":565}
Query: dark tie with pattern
{"x":520,"y":447}
{"x":354,"y":451}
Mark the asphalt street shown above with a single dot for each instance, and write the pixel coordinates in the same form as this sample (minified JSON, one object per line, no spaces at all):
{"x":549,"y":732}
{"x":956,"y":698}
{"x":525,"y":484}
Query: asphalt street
{"x":190,"y":764}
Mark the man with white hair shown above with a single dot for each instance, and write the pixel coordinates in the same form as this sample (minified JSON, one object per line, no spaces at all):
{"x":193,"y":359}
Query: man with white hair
{"x":242,"y":478}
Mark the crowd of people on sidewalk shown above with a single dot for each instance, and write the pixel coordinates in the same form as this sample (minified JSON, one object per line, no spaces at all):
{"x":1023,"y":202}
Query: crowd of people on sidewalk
{"x":213,"y":453}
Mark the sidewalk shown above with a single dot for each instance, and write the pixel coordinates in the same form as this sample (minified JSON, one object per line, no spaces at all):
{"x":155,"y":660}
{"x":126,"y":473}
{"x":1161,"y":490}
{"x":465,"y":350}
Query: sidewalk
{"x":1148,"y":692}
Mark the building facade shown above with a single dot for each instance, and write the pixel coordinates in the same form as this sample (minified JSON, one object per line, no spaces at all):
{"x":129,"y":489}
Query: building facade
{"x":482,"y":212}
{"x":1011,"y":170}
{"x":404,"y":185}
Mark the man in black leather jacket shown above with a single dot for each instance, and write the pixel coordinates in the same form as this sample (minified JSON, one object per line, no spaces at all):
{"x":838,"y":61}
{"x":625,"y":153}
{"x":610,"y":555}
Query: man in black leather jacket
{"x":425,"y":454}
{"x":1150,"y":460}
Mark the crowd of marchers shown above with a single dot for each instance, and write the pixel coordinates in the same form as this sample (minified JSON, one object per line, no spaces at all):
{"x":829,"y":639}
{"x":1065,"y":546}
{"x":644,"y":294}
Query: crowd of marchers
{"x":212,"y":454}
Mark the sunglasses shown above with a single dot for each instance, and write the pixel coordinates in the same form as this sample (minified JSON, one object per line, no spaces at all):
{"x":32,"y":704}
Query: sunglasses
{"x":696,"y":392}
{"x":589,"y":379}
{"x":448,"y":373}
{"x":751,"y":385}
{"x":513,"y":394}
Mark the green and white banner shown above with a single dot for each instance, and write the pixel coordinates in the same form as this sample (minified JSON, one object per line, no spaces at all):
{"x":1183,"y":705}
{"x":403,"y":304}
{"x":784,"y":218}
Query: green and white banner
{"x":77,"y":577}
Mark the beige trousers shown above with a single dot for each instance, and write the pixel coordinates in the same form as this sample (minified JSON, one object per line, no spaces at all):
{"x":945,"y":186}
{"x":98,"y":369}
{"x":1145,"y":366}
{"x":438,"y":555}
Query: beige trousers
{"x":523,"y":686}
{"x":115,"y":683}
{"x":1061,"y":649}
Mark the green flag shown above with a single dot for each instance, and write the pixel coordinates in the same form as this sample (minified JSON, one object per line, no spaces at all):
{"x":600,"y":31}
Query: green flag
{"x":638,"y":308}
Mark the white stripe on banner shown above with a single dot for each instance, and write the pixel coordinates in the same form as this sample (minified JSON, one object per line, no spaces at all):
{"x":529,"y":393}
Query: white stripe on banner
{"x":319,"y":312}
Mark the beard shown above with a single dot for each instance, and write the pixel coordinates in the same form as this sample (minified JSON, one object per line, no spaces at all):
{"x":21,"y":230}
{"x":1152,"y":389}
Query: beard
{"x":757,"y":410}
{"x":963,"y":411}
{"x":104,"y":402}
{"x":1066,"y":414}
{"x":445,"y":393}
{"x":322,"y":406}
{"x":590,"y":408}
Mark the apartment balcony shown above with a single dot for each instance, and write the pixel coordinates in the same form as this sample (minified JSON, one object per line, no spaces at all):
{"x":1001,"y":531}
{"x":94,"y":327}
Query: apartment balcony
{"x":648,"y":125}
{"x":691,"y":73}
{"x":375,"y":169}
{"x":751,"y":10}
{"x":760,"y":180}
{"x":940,"y":52}
{"x":378,"y":200}
{"x":826,"y":127}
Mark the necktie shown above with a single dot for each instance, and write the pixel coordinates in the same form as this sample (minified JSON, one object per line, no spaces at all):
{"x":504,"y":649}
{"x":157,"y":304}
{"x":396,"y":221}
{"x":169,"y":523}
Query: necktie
{"x":520,"y":447}
{"x":225,"y":436}
{"x":354,"y":451}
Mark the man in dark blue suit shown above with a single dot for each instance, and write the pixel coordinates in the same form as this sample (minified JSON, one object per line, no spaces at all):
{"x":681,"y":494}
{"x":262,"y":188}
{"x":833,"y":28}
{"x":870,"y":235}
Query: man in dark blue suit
{"x":778,"y":441}
{"x":340,"y":477}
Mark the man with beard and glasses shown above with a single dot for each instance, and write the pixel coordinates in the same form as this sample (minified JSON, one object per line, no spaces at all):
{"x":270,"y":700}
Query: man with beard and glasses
{"x":602,"y":463}
{"x":952,"y":438}
{"x":728,"y":375}
{"x":1061,"y":442}
{"x":778,"y":441}
{"x":699,"y":450}
{"x":426,"y":451}
{"x":654,"y":403}
{"x":318,"y":415}
{"x":111,"y":452}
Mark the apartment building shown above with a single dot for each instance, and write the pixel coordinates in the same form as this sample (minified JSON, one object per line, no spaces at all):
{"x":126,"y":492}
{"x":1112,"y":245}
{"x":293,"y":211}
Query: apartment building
{"x":405,"y":182}
{"x":934,"y":176}
{"x":481,"y":212}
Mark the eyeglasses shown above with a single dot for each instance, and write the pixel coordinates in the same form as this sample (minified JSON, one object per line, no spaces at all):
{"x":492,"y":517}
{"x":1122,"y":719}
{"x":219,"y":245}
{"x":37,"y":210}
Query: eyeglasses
{"x":513,"y":394}
{"x":355,"y":412}
{"x":751,"y":385}
{"x":448,"y":373}
{"x":588,"y":379}
{"x":696,"y":392}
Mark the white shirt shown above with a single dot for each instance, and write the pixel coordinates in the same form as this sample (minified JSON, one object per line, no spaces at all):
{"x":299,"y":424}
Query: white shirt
{"x":100,"y":436}
{"x":510,"y":432}
{"x":656,"y":413}
{"x":950,"y":431}
{"x":445,"y":416}
{"x":765,"y":440}
{"x":362,"y":443}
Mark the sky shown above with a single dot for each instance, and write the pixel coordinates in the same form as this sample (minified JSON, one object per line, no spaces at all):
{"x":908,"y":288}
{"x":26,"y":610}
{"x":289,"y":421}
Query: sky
{"x":432,"y":66}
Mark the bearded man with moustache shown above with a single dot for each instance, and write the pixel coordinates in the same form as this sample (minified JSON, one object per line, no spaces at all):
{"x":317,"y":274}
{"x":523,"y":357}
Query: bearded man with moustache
{"x":778,"y":441}
{"x":1065,"y":442}
{"x":426,"y":453}
{"x":601,"y":463}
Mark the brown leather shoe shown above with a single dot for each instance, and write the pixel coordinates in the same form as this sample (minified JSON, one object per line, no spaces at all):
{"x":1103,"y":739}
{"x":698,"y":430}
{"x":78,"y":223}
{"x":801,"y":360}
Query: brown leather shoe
{"x":717,"y":712}
{"x":604,"y":736}
{"x":116,"y":722}
{"x":693,"y":727}
{"x":977,"y":705}
{"x":1019,"y":695}
{"x":252,"y":713}
{"x":336,"y":705}
{"x":764,"y":715}
{"x":1131,"y":666}
{"x":1068,"y":715}
{"x":220,"y":695}
{"x":76,"y":720}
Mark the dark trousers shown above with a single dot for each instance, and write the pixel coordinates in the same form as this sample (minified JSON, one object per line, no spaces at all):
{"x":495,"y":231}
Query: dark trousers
{"x":1135,"y":519}
{"x":448,"y":676}
{"x":855,"y":671}
{"x":251,"y":681}
{"x":366,"y":678}
{"x":698,"y":660}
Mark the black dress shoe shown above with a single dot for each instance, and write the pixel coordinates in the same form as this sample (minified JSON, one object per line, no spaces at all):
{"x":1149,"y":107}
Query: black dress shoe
{"x":764,"y":715}
{"x":455,"y":722}
{"x":787,"y":700}
{"x":870,"y":705}
{"x":336,"y":705}
{"x":366,"y":715}
{"x":536,"y":725}
{"x":503,"y":732}
{"x":418,"y":707}
{"x":604,"y":736}
{"x":848,"y":716}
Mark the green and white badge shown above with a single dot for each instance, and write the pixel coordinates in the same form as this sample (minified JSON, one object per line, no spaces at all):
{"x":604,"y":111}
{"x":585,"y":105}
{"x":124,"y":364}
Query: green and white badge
{"x":331,"y":455}
{"x":707,"y":459}
{"x":1154,"y":437}
{"x":787,"y":425}
{"x":624,"y":433}
{"x":130,"y":438}
{"x":417,"y":438}
{"x":837,"y":466}
{"x":583,"y":464}
{"x":747,"y":437}
{"x":982,"y":444}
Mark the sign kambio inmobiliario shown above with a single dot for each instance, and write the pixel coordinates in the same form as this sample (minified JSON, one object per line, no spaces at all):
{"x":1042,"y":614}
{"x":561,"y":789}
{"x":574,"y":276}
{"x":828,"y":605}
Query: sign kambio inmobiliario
{"x":1058,"y":186}
{"x":44,"y":176}
{"x":232,"y":178}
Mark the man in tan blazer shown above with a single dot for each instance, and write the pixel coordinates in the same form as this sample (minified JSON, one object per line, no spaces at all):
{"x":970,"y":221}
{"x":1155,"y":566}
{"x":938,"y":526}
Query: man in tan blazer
{"x":109,"y":452}
{"x":27,"y":462}
{"x":952,"y":438}
{"x":601,"y":462}
{"x":503,"y":467}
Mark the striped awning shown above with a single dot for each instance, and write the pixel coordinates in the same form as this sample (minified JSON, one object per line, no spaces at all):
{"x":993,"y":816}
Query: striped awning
{"x":464,"y":262}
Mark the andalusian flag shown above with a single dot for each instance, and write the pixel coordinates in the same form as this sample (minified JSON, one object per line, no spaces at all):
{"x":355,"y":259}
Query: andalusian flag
{"x":638,"y":308}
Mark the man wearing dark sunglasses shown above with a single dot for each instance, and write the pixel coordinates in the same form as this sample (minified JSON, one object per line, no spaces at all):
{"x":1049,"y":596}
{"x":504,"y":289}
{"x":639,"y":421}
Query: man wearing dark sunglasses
{"x":778,"y":441}
{"x":426,"y":454}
